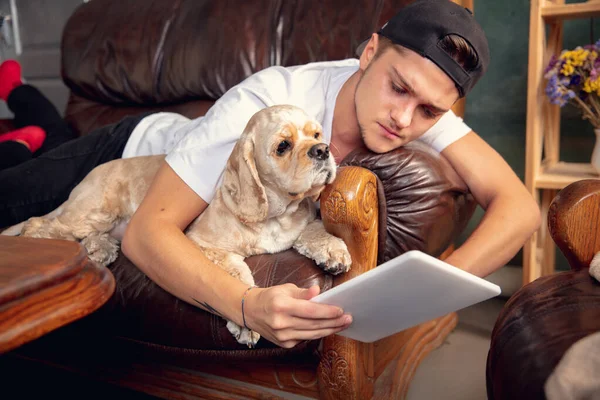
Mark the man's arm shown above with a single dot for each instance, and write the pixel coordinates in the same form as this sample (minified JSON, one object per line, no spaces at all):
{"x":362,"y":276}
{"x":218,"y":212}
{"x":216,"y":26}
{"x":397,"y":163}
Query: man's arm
{"x":511,"y":214}
{"x":155,"y":242}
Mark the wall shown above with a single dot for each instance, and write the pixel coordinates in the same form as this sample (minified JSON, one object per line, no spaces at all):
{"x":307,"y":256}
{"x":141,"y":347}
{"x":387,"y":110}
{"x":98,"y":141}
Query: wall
{"x":496,"y":108}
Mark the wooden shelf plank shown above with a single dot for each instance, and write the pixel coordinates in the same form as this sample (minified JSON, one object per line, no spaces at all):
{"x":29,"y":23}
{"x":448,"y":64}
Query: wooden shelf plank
{"x":571,"y":11}
{"x":562,"y":174}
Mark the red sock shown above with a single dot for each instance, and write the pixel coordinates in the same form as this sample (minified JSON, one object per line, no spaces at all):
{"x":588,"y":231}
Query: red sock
{"x":34,"y":136}
{"x":10,"y":77}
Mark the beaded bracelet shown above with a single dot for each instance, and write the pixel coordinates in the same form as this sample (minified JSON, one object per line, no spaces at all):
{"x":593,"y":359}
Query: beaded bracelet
{"x":244,"y":298}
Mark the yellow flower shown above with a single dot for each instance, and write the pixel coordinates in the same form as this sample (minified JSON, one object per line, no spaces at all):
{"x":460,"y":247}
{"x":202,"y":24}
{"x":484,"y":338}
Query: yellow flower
{"x":590,"y":86}
{"x":567,"y":69}
{"x":576,"y":57}
{"x":580,"y":58}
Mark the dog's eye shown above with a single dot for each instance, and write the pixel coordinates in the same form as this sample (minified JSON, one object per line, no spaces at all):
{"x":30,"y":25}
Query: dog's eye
{"x":317,"y":134}
{"x":283,"y":147}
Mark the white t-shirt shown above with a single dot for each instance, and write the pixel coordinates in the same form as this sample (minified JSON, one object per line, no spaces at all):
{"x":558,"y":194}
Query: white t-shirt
{"x":198,"y":150}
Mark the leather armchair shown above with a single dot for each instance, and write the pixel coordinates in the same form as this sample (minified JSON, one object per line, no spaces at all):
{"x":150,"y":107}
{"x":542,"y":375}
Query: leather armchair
{"x":121,"y":57}
{"x":543,"y":319}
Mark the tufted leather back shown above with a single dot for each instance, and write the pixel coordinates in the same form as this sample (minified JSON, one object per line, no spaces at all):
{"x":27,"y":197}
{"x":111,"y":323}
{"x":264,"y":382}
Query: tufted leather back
{"x":165,"y":52}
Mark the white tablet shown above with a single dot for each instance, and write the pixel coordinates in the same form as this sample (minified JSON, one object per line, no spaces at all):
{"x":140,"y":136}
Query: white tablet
{"x":404,"y":292}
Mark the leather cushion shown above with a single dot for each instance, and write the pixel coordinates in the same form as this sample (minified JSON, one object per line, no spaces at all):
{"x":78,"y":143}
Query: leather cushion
{"x":535,"y":328}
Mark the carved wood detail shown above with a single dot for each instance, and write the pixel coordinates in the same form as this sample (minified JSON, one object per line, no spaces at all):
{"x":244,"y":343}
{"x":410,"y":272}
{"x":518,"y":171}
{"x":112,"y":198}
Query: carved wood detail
{"x":299,"y":378}
{"x":335,"y":206}
{"x":335,"y":372}
{"x":346,"y":370}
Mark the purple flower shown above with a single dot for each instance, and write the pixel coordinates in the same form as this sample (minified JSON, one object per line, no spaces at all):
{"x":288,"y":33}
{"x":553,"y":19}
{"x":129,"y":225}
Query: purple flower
{"x":553,"y":91}
{"x":556,"y":91}
{"x":551,"y":64}
{"x":575,"y":80}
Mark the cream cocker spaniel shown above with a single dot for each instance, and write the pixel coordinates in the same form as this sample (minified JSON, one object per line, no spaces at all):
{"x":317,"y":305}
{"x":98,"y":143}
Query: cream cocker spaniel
{"x":265,"y":203}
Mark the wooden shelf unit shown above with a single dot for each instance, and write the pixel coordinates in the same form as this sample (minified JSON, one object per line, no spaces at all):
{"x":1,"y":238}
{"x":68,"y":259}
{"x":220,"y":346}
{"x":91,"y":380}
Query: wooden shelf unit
{"x":545,"y":174}
{"x":558,"y":11}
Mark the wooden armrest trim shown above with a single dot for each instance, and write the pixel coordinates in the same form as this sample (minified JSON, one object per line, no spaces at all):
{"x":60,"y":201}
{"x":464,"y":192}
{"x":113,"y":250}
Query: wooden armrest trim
{"x":350,"y":210}
{"x":574,"y":222}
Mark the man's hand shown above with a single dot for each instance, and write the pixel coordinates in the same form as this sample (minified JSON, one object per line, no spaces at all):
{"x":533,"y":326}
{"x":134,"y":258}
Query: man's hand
{"x":285,"y":315}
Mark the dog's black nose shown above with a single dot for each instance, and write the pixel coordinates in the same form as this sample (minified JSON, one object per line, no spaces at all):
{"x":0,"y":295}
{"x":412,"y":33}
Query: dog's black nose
{"x":319,"y":151}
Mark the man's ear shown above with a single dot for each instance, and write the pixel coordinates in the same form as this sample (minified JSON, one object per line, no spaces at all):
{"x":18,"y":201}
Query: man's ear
{"x":369,"y":52}
{"x":243,"y":192}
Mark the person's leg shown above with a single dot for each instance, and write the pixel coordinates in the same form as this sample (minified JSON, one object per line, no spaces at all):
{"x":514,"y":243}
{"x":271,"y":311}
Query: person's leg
{"x":13,"y":153}
{"x":29,"y":139}
{"x":31,"y":107}
{"x":40,"y":185}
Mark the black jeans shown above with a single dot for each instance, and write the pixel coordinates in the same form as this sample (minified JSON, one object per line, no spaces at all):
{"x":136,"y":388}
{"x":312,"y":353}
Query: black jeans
{"x":31,"y":107}
{"x":41,"y":184}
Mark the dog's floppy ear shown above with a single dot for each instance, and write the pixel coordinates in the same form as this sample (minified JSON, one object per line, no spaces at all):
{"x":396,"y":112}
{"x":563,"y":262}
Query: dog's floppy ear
{"x":243,"y":193}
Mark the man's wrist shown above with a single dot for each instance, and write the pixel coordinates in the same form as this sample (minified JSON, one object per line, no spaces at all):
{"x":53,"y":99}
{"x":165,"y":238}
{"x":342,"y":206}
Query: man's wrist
{"x":244,"y":307}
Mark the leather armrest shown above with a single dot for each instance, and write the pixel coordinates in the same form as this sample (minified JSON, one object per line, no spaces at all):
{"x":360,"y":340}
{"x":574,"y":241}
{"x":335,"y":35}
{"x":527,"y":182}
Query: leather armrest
{"x":423,"y":203}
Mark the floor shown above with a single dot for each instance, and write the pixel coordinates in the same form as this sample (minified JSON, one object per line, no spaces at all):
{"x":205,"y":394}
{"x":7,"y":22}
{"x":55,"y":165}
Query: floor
{"x":456,"y":370}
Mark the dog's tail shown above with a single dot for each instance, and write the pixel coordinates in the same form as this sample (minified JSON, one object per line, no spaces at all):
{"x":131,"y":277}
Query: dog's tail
{"x":16,"y":230}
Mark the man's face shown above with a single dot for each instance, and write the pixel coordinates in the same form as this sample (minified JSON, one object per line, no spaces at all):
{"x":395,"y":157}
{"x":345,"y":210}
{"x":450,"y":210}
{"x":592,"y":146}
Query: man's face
{"x":399,"y":97}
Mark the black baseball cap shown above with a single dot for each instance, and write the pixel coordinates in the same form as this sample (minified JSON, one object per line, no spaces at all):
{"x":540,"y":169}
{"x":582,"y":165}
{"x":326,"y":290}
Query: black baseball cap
{"x":421,"y":25}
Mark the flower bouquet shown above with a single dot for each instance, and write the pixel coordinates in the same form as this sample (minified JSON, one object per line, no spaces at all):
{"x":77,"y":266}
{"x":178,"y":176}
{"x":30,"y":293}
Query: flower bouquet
{"x":574,"y":77}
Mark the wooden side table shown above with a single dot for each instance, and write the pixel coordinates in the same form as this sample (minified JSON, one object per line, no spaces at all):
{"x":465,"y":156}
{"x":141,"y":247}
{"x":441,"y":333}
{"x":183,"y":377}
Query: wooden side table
{"x":46,"y":284}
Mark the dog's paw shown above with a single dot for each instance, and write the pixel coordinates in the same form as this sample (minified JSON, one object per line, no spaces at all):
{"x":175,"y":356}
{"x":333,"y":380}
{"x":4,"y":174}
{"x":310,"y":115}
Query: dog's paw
{"x":335,"y":257}
{"x":595,"y":267}
{"x":102,"y":249}
{"x":36,"y":227}
{"x":243,"y":335}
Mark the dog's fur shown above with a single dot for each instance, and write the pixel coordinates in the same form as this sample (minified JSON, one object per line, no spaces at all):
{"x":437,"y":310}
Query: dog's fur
{"x":264,"y":205}
{"x":595,"y":267}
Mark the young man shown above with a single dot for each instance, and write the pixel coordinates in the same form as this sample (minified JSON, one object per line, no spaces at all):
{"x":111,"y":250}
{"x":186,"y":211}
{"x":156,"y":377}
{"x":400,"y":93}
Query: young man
{"x":401,"y":89}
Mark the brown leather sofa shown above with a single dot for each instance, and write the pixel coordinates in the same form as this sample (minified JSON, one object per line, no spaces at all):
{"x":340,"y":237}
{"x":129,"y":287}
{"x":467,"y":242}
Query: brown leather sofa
{"x":122,"y":57}
{"x":543,"y":319}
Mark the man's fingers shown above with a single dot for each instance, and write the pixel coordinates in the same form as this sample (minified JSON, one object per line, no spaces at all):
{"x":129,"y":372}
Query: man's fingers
{"x":293,"y":335}
{"x":303,"y":324}
{"x":307,"y":294}
{"x":309,"y":310}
